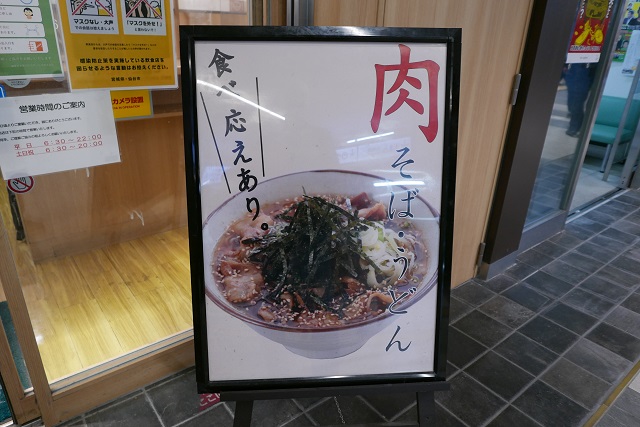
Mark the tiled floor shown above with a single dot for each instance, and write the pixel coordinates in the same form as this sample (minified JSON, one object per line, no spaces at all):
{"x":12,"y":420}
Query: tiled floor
{"x":544,"y":344}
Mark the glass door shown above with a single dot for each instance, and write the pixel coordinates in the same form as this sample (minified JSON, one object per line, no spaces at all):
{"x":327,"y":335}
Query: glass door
{"x":611,"y":153}
{"x":557,"y":191}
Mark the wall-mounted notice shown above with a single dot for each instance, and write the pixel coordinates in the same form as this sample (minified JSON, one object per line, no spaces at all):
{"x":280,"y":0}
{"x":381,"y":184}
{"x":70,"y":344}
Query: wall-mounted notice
{"x":131,"y":103}
{"x":41,"y":135}
{"x":323,"y":199}
{"x":28,"y":45}
{"x":119,"y":43}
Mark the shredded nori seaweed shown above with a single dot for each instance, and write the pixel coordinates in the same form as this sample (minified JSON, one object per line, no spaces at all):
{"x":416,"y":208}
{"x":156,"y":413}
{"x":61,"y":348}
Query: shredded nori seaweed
{"x":308,"y":256}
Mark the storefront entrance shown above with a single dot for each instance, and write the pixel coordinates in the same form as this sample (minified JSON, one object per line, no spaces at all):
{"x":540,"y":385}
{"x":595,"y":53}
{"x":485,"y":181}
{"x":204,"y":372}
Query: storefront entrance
{"x":94,"y":261}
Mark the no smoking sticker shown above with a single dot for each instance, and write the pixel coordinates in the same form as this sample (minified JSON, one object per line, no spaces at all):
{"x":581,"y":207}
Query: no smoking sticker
{"x":20,"y":185}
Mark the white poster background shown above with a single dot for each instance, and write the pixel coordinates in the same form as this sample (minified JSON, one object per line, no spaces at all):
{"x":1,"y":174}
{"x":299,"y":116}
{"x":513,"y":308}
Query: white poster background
{"x":40,"y":135}
{"x":318,"y":101}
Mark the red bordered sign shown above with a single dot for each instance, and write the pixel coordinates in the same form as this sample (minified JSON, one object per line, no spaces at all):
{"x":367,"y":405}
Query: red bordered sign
{"x":20,"y":185}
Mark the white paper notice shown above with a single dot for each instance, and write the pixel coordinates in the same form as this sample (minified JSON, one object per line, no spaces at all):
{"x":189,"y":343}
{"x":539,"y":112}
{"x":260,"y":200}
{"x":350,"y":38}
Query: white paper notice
{"x":54,"y":133}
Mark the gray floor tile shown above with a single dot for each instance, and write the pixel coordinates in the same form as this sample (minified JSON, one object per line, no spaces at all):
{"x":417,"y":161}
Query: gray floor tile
{"x":618,"y":235}
{"x":619,"y":277}
{"x":587,"y":302}
{"x":176,"y":399}
{"x":549,"y":407}
{"x":462,"y":349}
{"x":308,"y":402}
{"x":526,"y":297}
{"x":550,"y":335}
{"x":629,"y":400}
{"x":122,"y":412}
{"x":354,"y":410}
{"x":570,"y":318}
{"x":451,"y":369}
{"x":534,"y":258}
{"x":608,"y":421}
{"x":626,"y":418}
{"x":390,"y":405}
{"x":627,"y":263}
{"x":565,"y":272}
{"x":547,"y":284}
{"x":482,"y":328}
{"x":621,"y":206}
{"x":627,"y":227}
{"x":458,"y":309}
{"x":596,"y":251}
{"x":619,"y":342}
{"x":576,"y":383}
{"x":472,"y":293}
{"x":445,"y":419}
{"x":520,"y":270}
{"x":526,"y":353}
{"x":598,"y":360}
{"x":605,"y":289}
{"x":511,"y":417}
{"x":632,"y":303}
{"x":499,"y":283}
{"x":589,"y":224}
{"x":506,"y":311}
{"x":583,"y":262}
{"x":628,"y":198}
{"x":566,"y":240}
{"x":216,"y":416}
{"x":465,"y":390}
{"x":274,"y":412}
{"x":625,"y":320}
{"x":602,"y":217}
{"x":551,"y":249}
{"x":498,"y":374}
{"x":607,"y":242}
{"x":577,"y":231}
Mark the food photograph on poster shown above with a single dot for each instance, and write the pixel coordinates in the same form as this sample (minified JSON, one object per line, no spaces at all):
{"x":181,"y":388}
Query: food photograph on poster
{"x":320,"y":182}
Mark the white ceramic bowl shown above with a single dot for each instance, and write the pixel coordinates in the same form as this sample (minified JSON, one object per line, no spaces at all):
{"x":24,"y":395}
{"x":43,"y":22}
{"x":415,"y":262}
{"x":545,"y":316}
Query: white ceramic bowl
{"x":328,"y":342}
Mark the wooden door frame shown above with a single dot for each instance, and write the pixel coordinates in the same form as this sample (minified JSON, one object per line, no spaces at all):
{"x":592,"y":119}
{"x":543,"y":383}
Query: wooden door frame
{"x":551,"y":20}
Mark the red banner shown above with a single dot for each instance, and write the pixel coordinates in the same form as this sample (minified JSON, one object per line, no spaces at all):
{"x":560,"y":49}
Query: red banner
{"x":589,"y":31}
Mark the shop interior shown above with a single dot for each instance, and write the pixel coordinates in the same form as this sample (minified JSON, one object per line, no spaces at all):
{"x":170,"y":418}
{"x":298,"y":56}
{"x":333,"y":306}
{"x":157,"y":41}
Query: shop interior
{"x":102,"y":253}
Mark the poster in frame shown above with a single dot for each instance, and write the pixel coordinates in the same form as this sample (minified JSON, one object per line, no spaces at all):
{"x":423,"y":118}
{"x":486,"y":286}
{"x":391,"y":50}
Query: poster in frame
{"x":320,"y":172}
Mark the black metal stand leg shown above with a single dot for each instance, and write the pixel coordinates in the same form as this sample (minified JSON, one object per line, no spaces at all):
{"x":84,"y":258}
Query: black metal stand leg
{"x":426,"y":409}
{"x":242,"y":416}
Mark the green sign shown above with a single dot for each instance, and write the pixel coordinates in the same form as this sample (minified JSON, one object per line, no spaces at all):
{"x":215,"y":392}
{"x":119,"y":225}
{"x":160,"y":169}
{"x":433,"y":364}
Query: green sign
{"x":28,"y":45}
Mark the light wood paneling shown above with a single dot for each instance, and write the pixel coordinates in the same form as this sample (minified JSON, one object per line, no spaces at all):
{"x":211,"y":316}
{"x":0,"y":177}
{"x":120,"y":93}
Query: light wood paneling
{"x":338,"y":12}
{"x":274,"y":12}
{"x":74,"y":211}
{"x":94,"y":306}
{"x":212,"y":18}
{"x":493,"y":35}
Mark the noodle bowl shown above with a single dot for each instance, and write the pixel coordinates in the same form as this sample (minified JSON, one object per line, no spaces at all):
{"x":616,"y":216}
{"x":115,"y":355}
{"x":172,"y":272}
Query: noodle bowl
{"x":320,"y":293}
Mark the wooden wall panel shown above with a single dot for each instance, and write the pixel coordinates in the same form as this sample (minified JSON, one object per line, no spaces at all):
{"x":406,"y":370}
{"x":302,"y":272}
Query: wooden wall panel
{"x":353,"y":12}
{"x":274,"y":12}
{"x":71,"y":212}
{"x":493,"y":35}
{"x":212,"y":18}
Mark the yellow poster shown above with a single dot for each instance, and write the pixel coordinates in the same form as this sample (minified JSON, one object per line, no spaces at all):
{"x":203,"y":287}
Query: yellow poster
{"x":119,"y":43}
{"x":131,"y":103}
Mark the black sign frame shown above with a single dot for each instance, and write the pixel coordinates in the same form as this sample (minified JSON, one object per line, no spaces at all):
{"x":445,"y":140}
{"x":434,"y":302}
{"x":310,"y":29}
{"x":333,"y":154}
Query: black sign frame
{"x":189,"y":36}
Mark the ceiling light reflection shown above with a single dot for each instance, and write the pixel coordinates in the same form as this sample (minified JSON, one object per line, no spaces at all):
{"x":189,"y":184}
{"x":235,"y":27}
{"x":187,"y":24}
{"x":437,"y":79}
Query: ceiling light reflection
{"x":238,"y":97}
{"x":369,"y":137}
{"x":390,"y":183}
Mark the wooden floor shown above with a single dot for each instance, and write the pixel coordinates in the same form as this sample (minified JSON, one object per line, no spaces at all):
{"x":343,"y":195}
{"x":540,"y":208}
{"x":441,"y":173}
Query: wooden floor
{"x":92,"y":307}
